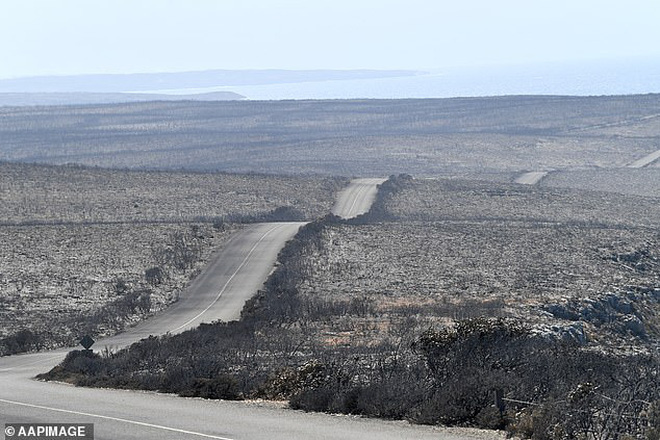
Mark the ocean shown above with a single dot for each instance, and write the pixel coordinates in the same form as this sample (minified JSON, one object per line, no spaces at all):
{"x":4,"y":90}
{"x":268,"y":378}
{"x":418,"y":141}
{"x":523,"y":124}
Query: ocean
{"x":595,"y":78}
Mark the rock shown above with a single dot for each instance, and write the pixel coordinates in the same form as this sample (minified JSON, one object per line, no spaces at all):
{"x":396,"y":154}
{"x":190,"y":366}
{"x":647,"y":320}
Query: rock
{"x":571,"y":333}
{"x":634,"y":325}
{"x":562,"y":311}
{"x":619,"y":304}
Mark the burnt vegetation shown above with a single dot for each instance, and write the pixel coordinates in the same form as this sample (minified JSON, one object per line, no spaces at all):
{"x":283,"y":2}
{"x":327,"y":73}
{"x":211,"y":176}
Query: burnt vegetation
{"x":95,"y":279}
{"x":461,"y":359}
{"x":453,"y":301}
{"x":380,"y":137}
{"x":92,"y":251}
{"x":72,"y":194}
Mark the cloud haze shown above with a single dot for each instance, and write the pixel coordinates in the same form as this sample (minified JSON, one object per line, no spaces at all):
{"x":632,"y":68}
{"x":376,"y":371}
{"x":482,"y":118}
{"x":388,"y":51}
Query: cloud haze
{"x":44,"y":37}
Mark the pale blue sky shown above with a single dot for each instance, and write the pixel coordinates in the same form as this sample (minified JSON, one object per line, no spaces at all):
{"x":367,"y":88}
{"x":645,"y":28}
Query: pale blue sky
{"x":44,"y":37}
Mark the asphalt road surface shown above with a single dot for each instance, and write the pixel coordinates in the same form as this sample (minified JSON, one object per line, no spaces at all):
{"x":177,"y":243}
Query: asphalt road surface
{"x":531,"y":178}
{"x":356,"y":198}
{"x":234,"y":274}
{"x":534,"y":177}
{"x":646,"y":160}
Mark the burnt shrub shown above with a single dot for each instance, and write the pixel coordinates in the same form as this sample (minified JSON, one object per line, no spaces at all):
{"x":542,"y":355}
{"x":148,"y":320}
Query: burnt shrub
{"x":490,"y":417}
{"x":76,"y":366}
{"x":385,"y":400}
{"x":154,"y":275}
{"x":316,"y":399}
{"x":83,"y":362}
{"x":22,"y":341}
{"x":285,"y":214}
{"x":221,"y":387}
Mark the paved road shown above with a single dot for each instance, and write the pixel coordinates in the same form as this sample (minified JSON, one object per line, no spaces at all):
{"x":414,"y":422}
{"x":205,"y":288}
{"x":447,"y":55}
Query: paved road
{"x":120,"y":414}
{"x":534,"y":177}
{"x":646,"y":160}
{"x":233,"y":275}
{"x":356,"y":198}
{"x":531,"y":178}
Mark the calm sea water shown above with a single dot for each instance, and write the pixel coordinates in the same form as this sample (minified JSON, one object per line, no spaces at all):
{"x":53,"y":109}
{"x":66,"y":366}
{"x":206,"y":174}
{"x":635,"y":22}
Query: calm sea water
{"x":580,"y":79}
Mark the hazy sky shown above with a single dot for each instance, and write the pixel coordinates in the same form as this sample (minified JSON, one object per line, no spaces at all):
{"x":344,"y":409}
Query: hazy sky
{"x":43,"y":37}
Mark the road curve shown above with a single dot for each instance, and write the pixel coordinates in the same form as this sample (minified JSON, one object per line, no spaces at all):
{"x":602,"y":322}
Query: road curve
{"x":234,"y":274}
{"x":356,"y":198}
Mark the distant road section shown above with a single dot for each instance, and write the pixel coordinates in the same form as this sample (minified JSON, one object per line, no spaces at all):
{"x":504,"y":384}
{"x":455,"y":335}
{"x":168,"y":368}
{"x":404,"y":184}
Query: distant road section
{"x":356,"y":198}
{"x":531,"y":178}
{"x":646,"y":160}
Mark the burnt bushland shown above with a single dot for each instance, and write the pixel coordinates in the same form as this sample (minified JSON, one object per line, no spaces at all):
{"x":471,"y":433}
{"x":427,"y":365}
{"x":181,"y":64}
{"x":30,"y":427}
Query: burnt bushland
{"x":545,"y":388}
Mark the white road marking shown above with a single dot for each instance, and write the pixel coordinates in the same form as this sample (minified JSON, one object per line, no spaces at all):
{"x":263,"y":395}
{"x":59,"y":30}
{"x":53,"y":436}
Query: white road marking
{"x":247,"y":257}
{"x":116,"y":419}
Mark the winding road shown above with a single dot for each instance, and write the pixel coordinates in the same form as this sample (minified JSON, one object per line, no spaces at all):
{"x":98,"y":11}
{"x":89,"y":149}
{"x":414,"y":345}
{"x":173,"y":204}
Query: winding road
{"x":234,"y":274}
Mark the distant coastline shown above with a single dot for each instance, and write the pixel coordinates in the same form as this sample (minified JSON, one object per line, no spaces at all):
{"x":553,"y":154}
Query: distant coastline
{"x":82,"y":98}
{"x":597,"y":78}
{"x":584,"y":78}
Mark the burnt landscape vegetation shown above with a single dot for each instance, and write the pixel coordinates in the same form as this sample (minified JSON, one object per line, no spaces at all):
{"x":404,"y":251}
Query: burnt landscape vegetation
{"x":88,"y":250}
{"x":395,"y":316}
{"x":343,"y":137}
{"x":461,"y":298}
